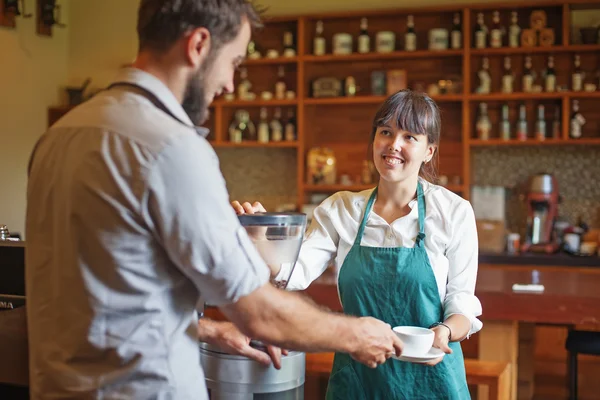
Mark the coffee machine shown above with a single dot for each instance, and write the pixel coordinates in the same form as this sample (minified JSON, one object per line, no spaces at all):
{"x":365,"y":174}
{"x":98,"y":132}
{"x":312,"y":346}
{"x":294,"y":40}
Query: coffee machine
{"x":277,"y":237}
{"x":542,"y":209}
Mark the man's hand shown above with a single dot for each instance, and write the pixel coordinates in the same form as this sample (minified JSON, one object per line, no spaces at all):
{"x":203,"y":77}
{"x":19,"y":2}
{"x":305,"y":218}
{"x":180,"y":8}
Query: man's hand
{"x":226,"y":336}
{"x":375,"y":342}
{"x":440,"y":341}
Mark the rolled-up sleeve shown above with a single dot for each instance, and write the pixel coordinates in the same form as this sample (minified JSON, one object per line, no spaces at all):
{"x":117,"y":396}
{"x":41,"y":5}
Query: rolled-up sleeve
{"x":462,"y":254}
{"x":188,"y":210}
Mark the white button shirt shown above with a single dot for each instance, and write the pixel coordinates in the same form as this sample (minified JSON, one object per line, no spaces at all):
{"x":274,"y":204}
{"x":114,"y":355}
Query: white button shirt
{"x":451,"y":243}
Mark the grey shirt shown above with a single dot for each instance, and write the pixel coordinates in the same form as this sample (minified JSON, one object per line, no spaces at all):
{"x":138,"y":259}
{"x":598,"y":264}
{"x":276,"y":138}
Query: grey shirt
{"x":128,"y":225}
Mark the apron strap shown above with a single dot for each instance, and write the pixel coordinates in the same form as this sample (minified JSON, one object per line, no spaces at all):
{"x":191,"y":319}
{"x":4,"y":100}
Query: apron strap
{"x":421,"y":208}
{"x":363,"y":223}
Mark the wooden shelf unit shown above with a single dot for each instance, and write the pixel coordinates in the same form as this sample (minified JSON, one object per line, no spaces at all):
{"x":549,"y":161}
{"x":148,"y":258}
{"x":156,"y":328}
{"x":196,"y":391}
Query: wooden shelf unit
{"x":344,"y":123}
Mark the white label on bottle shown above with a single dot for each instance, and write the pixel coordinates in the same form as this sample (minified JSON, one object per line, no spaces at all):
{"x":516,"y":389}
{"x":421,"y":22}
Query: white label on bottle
{"x":496,"y":38}
{"x":577,"y":82}
{"x":505,"y":130}
{"x":456,"y":39}
{"x":513,"y":36}
{"x":527,"y":83}
{"x":522,"y":131}
{"x":480,"y":39}
{"x":364,"y":44}
{"x":280,"y":90}
{"x":483,"y":130}
{"x":319,"y":46}
{"x":550,"y":83}
{"x":410,"y":42}
{"x":263,"y":133}
{"x":507,"y":84}
{"x":575,"y":128}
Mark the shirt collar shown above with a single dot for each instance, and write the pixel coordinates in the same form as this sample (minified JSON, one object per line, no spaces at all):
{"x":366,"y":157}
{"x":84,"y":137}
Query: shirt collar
{"x":153,"y":85}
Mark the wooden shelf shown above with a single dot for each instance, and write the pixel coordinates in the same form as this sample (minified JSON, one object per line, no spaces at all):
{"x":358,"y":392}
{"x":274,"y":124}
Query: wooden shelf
{"x":533,"y":142}
{"x":534,"y":50}
{"x":374,"y":99}
{"x":267,"y":61}
{"x":517,"y":96}
{"x":254,"y":103}
{"x":584,"y":95}
{"x":282,"y":144}
{"x":309,"y":58}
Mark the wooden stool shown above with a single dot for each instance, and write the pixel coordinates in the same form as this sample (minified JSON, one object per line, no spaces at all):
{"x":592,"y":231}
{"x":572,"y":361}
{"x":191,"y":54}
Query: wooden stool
{"x":580,"y":342}
{"x":493,"y":374}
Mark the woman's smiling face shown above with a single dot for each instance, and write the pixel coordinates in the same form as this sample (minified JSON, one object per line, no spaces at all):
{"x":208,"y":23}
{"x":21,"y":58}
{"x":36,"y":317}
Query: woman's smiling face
{"x":399,"y":154}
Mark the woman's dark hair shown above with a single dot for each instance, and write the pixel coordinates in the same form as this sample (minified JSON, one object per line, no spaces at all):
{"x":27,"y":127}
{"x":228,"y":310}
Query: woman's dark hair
{"x":417,"y":113}
{"x":162,"y":22}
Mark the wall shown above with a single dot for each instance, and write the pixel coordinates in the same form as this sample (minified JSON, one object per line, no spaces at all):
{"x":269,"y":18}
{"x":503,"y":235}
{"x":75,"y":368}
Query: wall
{"x":32,"y":71}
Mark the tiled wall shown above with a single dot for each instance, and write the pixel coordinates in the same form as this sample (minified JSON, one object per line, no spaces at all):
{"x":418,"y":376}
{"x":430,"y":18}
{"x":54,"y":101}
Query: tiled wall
{"x":267,"y":175}
{"x":576,"y":168}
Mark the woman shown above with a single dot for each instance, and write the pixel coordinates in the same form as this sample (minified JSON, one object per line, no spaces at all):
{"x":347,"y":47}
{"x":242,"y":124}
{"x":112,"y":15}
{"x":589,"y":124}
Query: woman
{"x":405,"y":252}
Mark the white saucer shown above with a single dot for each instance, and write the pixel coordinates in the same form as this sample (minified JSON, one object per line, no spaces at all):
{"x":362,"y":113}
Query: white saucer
{"x":432,"y":354}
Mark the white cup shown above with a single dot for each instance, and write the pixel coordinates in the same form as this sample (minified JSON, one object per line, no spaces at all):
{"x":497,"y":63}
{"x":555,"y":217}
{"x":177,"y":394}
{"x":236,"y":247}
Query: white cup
{"x":417,"y":341}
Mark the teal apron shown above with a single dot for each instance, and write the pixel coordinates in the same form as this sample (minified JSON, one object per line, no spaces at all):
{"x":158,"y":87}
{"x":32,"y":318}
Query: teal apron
{"x":395,"y":285}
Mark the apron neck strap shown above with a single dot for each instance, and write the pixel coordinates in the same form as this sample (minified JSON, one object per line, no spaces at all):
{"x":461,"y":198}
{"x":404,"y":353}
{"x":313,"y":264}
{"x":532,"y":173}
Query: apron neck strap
{"x":421,"y":208}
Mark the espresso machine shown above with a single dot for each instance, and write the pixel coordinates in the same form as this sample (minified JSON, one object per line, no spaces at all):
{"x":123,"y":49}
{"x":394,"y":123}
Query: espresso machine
{"x":542,"y":209}
{"x":278,"y":237}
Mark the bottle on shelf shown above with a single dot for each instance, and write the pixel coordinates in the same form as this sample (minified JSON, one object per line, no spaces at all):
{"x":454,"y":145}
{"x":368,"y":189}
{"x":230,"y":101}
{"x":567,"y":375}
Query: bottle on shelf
{"x":577,"y":121}
{"x":540,"y":124}
{"x":280,"y":86}
{"x":556,"y":123}
{"x":528,"y":76}
{"x":364,"y":41}
{"x":508,"y":77}
{"x":483,"y":125}
{"x":243,"y":89}
{"x":263,"y":126}
{"x":288,"y":44}
{"x":242,"y":128}
{"x":514,"y":31}
{"x":505,"y":124}
{"x":480,"y":32}
{"x":577,"y":77}
{"x":496,"y":31}
{"x":410,"y":37}
{"x":550,"y":75}
{"x":276,"y":126}
{"x":522,"y":123}
{"x":290,"y":126}
{"x":319,"y":43}
{"x":456,"y":33}
{"x":485,"y":79}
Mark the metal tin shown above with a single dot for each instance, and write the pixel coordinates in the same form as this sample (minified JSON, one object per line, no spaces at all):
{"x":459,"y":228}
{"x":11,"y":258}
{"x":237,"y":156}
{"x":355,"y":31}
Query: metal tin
{"x":272,"y":219}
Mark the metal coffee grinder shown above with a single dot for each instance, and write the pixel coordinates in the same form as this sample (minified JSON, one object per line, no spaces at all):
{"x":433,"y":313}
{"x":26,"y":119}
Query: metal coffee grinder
{"x":542,"y":209}
{"x":278,"y":237}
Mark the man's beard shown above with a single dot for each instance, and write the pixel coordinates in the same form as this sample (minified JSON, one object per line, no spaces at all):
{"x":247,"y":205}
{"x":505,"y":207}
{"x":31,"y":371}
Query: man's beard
{"x":194,"y":99}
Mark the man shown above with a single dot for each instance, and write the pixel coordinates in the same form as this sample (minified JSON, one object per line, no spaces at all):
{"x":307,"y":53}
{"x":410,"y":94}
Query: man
{"x":129,"y":223}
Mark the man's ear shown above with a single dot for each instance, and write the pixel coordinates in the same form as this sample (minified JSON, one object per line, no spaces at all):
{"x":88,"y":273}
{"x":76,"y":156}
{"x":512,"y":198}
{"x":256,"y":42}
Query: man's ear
{"x":198,"y":46}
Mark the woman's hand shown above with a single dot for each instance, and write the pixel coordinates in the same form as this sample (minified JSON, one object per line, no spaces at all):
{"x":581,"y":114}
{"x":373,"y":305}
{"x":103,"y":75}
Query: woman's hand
{"x":247,"y":208}
{"x":440,"y":341}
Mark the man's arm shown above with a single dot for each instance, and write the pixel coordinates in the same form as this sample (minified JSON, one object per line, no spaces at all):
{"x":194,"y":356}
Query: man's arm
{"x":288,"y":320}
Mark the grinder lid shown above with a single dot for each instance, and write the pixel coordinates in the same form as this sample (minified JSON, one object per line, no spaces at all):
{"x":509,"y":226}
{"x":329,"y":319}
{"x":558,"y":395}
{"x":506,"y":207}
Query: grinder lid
{"x":273,"y":219}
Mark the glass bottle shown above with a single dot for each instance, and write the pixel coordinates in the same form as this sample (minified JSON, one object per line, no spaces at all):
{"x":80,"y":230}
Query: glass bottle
{"x":514,"y":30}
{"x":577,"y":121}
{"x":522,"y":123}
{"x":364,"y":42}
{"x":242,"y":128}
{"x":540,"y":124}
{"x":483,"y":125}
{"x":508,"y":77}
{"x":550,"y":75}
{"x":485,"y":79}
{"x":243,"y":90}
{"x":276,"y":126}
{"x":280,"y":86}
{"x":319,"y":43}
{"x":456,"y":34}
{"x":528,"y":76}
{"x":505,"y":124}
{"x":290,"y":126}
{"x":288,"y":44}
{"x":480,"y":32}
{"x":263,"y":126}
{"x":410,"y":37}
{"x":577,"y":77}
{"x":496,"y":31}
